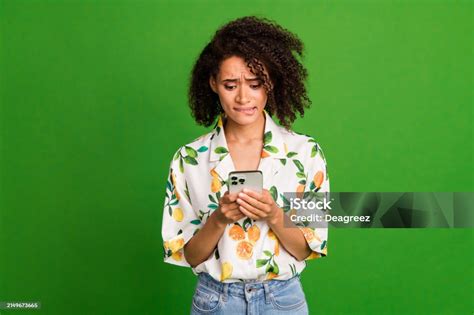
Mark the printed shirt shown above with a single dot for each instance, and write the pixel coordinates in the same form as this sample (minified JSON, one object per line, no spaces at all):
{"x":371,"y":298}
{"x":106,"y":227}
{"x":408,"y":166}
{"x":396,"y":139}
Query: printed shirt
{"x":248,"y":249}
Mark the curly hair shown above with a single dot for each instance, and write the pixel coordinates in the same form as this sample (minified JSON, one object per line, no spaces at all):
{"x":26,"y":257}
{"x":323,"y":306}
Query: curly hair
{"x":261,"y":43}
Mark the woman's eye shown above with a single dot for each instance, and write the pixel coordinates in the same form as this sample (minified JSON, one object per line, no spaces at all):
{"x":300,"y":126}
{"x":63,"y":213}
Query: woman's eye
{"x":229,"y":87}
{"x":255,"y":86}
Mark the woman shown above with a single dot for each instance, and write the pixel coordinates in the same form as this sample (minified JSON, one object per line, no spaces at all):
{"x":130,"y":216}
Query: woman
{"x":246,"y":251}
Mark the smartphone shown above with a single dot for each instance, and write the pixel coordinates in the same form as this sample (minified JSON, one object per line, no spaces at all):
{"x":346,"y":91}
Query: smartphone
{"x":238,"y":180}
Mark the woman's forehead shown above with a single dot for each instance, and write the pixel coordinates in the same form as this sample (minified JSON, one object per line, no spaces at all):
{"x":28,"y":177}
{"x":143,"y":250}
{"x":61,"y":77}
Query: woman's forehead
{"x":235,"y":68}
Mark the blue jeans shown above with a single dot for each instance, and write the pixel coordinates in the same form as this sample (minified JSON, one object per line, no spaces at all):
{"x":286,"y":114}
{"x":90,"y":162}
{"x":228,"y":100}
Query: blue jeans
{"x":249,"y":297}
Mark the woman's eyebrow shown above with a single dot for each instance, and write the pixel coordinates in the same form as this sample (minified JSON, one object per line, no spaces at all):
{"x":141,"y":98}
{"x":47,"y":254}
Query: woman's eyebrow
{"x":236,"y":80}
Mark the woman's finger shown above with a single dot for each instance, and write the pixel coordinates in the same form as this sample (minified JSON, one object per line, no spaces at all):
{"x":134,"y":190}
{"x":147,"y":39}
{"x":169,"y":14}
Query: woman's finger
{"x":247,"y":206}
{"x":228,"y":198}
{"x":232,"y":206}
{"x":234,"y":212}
{"x":249,"y":214}
{"x":253,"y":194}
{"x":251,"y":201}
{"x":238,"y":216}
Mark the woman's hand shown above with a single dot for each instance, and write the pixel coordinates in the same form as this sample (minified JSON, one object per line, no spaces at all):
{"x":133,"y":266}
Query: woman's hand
{"x":228,"y":210}
{"x":204,"y":242}
{"x":259,"y":206}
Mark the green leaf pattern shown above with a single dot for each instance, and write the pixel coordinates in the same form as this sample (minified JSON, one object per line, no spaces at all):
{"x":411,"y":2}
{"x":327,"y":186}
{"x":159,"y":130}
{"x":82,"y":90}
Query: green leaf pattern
{"x":268,"y":262}
{"x":292,"y":170}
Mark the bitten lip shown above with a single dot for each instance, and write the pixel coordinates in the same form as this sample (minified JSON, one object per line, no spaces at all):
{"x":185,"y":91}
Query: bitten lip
{"x":245,"y":108}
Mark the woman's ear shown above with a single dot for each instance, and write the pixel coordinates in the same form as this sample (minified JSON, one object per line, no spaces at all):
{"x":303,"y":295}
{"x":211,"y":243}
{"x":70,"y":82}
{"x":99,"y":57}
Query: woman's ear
{"x":212,"y":83}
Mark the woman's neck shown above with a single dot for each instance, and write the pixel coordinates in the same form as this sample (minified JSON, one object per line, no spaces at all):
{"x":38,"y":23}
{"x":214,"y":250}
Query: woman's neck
{"x":239,"y":133}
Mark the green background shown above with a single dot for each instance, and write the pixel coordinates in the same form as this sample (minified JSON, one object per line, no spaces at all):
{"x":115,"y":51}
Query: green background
{"x":93,"y":105}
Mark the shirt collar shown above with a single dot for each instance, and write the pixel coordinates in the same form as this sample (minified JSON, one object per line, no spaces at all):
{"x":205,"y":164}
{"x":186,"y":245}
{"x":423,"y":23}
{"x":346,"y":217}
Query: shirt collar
{"x":273,"y":146}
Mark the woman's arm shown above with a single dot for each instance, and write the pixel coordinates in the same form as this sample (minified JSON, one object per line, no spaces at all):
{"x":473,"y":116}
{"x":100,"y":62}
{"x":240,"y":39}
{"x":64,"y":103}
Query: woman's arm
{"x":291,"y":238}
{"x":203,"y":243}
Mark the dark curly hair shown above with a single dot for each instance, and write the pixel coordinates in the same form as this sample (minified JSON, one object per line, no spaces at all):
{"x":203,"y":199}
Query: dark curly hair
{"x":260,"y":42}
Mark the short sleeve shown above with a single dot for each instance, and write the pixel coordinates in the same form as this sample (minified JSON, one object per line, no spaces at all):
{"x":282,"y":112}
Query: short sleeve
{"x":317,"y":181}
{"x":180,"y":221}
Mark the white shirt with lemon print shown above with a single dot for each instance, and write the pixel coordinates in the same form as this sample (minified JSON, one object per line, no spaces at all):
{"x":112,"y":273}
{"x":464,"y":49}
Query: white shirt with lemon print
{"x":248,"y":249}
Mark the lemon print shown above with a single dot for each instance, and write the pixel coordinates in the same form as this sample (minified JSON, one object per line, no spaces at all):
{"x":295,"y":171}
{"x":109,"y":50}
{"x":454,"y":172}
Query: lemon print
{"x":271,"y":275}
{"x":173,"y":179}
{"x":271,"y":235}
{"x":178,"y":214}
{"x":253,"y":233}
{"x":309,"y":235}
{"x":178,"y":256}
{"x":176,"y":194}
{"x":300,"y":191}
{"x":216,"y":184}
{"x":226,"y":270}
{"x":175,"y":191}
{"x":214,"y":173}
{"x":286,"y":148}
{"x":175,"y":245}
{"x":313,"y":255}
{"x":264,"y":154}
{"x":325,"y":251}
{"x":236,"y":233}
{"x":276,"y":249}
{"x":244,"y":250}
{"x":318,"y":179}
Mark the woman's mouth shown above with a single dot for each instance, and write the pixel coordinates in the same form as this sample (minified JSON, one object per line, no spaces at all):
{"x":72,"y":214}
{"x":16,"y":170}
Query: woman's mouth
{"x":246,"y":110}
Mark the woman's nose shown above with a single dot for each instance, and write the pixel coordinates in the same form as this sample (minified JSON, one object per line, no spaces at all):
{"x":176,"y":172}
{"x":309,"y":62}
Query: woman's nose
{"x":242,"y":95}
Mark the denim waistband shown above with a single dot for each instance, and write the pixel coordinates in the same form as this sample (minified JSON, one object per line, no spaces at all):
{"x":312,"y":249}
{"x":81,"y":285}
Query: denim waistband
{"x":264,"y":287}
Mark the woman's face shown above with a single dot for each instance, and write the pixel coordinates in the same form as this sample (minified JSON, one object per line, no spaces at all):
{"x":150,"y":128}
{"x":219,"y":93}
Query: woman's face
{"x":241,"y":93}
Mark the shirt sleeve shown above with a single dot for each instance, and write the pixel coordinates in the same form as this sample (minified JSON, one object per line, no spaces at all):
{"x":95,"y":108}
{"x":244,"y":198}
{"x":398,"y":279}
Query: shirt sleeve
{"x":317,"y":181}
{"x":180,"y":221}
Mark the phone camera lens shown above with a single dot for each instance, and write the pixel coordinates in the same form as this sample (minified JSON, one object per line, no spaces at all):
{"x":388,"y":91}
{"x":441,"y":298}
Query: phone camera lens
{"x":242,"y":180}
{"x":234,"y":183}
{"x":233,"y":178}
